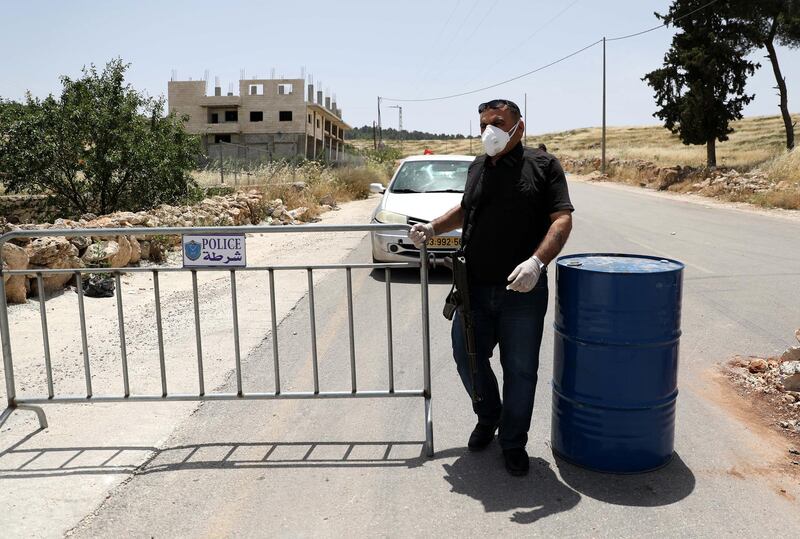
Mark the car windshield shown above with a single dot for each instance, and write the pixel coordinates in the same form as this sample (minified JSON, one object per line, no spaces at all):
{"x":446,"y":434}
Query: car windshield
{"x":431,"y":177}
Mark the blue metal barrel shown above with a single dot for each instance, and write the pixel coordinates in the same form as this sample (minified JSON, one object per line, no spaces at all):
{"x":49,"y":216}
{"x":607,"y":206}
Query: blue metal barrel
{"x":615,"y":367}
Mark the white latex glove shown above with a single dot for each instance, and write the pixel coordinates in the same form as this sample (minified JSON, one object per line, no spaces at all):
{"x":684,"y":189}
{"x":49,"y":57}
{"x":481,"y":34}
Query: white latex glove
{"x":420,"y":233}
{"x":526,"y":275}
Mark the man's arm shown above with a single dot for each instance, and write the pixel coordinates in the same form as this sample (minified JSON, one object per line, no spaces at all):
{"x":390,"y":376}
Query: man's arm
{"x":451,"y":220}
{"x":556,"y":238}
{"x":526,"y":274}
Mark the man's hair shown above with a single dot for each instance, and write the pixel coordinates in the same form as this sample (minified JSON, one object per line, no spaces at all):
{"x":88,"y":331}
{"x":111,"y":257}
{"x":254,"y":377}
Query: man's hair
{"x":543,"y":147}
{"x":501,"y":104}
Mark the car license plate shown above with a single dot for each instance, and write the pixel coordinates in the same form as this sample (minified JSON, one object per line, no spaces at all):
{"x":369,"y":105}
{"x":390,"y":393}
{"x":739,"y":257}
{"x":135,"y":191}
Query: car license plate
{"x":444,"y":242}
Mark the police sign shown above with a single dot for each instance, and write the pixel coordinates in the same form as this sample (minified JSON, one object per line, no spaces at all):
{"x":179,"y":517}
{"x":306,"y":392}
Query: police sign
{"x":214,"y":250}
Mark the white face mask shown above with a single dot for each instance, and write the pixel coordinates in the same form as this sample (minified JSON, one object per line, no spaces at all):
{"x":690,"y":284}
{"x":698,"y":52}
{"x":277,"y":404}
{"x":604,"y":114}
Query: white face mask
{"x":495,"y":139}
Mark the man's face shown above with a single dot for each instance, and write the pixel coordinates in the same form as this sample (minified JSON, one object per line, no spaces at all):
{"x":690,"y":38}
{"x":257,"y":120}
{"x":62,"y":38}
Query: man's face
{"x":502,"y":118}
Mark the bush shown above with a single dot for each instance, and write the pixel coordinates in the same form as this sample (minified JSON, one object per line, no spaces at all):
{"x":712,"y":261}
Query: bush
{"x":355,"y":181}
{"x":100,"y":147}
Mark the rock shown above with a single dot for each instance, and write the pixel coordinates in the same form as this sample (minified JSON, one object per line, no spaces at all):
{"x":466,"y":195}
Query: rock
{"x":329,"y":200}
{"x":667,"y":177}
{"x":123,"y":256}
{"x":792,"y":383}
{"x":797,"y":335}
{"x":80,"y":242}
{"x":136,"y":250}
{"x":88,"y":217}
{"x":100,"y":254}
{"x":46,"y":252}
{"x":145,"y":250}
{"x":789,"y":398}
{"x":57,"y":281}
{"x":15,"y":258}
{"x":757,"y":365}
{"x":788,"y":368}
{"x":792,"y":354}
{"x":299,"y":186}
{"x":298,"y":213}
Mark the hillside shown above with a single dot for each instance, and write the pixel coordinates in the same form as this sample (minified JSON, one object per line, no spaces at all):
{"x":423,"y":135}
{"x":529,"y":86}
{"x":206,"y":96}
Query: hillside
{"x":753,"y":165}
{"x":754,"y":141}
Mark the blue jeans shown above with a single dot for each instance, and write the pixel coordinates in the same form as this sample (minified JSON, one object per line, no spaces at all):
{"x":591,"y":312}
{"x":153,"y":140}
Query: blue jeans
{"x":514,"y":321}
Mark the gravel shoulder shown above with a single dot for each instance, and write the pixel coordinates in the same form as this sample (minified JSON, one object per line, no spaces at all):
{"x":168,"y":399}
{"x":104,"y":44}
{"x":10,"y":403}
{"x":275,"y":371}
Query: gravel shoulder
{"x":49,"y":488}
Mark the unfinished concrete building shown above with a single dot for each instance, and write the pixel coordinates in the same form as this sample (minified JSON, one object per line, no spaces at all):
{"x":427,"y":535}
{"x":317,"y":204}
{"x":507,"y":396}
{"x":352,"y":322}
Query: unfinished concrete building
{"x":272,"y":118}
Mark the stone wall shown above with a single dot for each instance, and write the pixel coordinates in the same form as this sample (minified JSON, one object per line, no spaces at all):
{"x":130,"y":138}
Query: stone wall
{"x":59,"y":252}
{"x":25,"y":208}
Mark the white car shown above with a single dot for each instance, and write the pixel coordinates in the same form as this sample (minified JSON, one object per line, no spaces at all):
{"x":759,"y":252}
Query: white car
{"x":423,"y":188}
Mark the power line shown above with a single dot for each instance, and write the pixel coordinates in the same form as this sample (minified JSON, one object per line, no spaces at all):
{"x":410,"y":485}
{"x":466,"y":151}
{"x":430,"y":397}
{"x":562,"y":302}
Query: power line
{"x":551,"y":64}
{"x":531,"y":72}
{"x":663,"y":24}
{"x":531,"y":36}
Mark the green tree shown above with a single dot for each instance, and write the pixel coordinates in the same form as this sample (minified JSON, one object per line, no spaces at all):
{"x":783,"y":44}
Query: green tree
{"x":701,"y":87}
{"x":768,"y":22}
{"x":100,"y":147}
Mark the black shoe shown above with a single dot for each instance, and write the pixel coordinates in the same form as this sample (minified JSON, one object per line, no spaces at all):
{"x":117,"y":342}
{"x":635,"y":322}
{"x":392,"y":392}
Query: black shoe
{"x":517,"y":462}
{"x":482,"y":435}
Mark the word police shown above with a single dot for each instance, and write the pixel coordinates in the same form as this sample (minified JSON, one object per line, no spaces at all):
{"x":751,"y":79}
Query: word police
{"x":217,"y":244}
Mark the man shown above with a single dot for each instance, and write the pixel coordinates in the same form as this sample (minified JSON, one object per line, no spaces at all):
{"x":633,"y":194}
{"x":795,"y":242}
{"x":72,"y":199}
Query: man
{"x":515,"y":216}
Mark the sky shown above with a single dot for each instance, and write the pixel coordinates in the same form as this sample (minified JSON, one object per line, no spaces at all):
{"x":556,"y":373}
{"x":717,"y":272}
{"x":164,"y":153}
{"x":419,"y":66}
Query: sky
{"x":362,"y":49}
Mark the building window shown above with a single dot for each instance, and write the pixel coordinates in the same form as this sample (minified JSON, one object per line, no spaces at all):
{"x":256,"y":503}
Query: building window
{"x":214,"y":118}
{"x":222,"y":138}
{"x":317,"y":123}
{"x":285,"y":116}
{"x":231,"y":116}
{"x":285,"y":89}
{"x":309,"y":118}
{"x":256,"y":89}
{"x":256,"y":116}
{"x":327,"y":126}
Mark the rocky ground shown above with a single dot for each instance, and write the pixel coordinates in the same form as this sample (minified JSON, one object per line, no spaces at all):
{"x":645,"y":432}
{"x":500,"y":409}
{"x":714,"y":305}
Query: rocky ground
{"x":772,"y":385}
{"x":57,"y":252}
{"x":702,"y":181}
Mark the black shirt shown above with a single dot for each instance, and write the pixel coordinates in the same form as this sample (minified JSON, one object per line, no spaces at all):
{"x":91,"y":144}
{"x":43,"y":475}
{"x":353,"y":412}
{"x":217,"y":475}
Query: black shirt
{"x":513,"y":199}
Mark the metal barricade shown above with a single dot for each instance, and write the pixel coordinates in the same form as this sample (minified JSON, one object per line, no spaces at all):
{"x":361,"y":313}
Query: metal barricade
{"x":34,"y":403}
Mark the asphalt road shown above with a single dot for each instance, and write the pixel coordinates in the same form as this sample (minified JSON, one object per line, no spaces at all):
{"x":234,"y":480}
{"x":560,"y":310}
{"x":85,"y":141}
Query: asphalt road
{"x":357,"y":467}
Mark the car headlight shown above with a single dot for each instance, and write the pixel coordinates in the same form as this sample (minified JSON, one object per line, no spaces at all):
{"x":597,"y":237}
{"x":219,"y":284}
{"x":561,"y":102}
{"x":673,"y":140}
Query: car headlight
{"x":391,"y":218}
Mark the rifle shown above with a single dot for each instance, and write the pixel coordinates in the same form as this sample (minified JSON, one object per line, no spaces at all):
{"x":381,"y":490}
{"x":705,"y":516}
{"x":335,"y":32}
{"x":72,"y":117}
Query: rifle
{"x":458,"y":298}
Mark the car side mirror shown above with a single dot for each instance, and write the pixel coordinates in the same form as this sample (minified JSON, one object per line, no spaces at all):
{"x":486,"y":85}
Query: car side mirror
{"x":376,"y":188}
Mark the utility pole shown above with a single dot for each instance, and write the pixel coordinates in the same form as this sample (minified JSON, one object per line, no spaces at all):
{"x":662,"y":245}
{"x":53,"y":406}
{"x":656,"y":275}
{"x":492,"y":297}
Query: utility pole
{"x":399,"y":123}
{"x":374,"y":136}
{"x":525,"y":120}
{"x":603,"y":143}
{"x":380,"y":132}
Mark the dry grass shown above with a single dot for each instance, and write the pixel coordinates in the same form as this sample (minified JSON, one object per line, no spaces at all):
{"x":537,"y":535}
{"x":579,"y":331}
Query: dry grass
{"x":784,"y":168}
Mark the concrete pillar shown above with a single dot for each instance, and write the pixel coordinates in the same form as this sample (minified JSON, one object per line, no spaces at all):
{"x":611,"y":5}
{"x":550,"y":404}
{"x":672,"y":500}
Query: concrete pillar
{"x":319,"y":97}
{"x":314,"y":127}
{"x":305,"y":139}
{"x":328,"y":103}
{"x":310,"y":98}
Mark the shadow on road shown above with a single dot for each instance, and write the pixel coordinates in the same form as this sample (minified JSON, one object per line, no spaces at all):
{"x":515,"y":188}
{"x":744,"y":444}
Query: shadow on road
{"x":665,"y":486}
{"x":19,"y":462}
{"x":482,"y":476}
{"x":411,"y":276}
